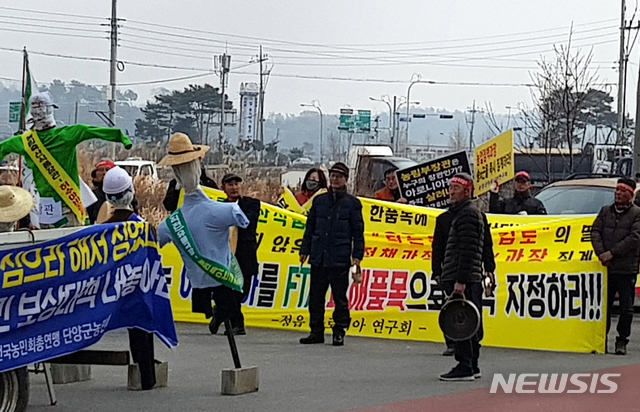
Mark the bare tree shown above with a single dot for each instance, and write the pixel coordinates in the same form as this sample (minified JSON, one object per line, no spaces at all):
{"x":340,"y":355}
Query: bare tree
{"x":560,"y":90}
{"x":458,"y":139}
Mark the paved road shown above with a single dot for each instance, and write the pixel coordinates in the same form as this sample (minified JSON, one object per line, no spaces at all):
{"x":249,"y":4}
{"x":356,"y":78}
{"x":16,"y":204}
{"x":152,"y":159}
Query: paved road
{"x":366,"y":375}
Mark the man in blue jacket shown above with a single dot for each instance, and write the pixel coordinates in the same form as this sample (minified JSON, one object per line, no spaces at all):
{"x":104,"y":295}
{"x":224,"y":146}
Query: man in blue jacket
{"x":333,"y":241}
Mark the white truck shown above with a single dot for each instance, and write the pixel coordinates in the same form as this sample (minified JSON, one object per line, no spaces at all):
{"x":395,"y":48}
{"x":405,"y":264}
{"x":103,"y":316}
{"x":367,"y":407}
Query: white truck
{"x":367,"y":164}
{"x":135,"y":166}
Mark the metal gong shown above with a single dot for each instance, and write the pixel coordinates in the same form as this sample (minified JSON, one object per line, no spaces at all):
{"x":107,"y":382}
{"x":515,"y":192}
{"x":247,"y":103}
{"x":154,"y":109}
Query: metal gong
{"x":459,"y":319}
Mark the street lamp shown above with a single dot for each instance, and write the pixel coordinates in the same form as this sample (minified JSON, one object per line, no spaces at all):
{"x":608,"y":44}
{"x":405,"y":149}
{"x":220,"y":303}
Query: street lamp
{"x":316,"y":105}
{"x":415,"y":78}
{"x":385,"y":101}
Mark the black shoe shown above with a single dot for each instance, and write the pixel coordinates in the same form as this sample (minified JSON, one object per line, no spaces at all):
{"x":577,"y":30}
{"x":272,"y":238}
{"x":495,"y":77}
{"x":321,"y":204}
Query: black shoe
{"x":338,"y":338}
{"x":476,"y":373}
{"x":214,"y":325}
{"x":456,"y":374}
{"x":621,"y":348}
{"x":448,"y":352}
{"x":236,"y":331}
{"x":311,"y":339}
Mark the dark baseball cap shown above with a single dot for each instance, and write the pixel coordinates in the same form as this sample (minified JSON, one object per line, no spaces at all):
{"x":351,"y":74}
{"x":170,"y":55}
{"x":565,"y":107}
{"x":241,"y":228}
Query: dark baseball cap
{"x":230,"y":177}
{"x":341,"y":168}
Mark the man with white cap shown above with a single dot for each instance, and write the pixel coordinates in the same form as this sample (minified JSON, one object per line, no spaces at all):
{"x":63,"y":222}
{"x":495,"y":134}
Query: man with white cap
{"x":118,"y":188}
{"x":50,"y":152}
{"x":200,"y":231}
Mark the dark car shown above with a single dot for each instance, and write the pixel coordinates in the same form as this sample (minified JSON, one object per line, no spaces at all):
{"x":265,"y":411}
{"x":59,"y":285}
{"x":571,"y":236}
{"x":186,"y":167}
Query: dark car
{"x":577,"y":196}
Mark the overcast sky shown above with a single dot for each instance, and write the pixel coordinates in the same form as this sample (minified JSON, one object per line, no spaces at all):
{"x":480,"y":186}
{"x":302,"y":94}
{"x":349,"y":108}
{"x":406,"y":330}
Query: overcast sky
{"x":455,"y":41}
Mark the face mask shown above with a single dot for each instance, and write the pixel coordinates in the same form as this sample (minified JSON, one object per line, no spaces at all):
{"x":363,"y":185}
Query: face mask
{"x":311,"y":185}
{"x":42,"y":117}
{"x":188,"y":175}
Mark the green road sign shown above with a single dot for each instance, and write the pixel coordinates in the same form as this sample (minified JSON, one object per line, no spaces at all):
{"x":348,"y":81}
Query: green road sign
{"x":347,"y":119}
{"x":14,"y":112}
{"x":363,"y":121}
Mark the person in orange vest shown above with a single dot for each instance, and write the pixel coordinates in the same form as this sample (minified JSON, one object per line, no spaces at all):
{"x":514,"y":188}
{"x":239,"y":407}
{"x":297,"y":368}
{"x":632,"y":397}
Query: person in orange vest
{"x":391,"y":192}
{"x":314,"y":181}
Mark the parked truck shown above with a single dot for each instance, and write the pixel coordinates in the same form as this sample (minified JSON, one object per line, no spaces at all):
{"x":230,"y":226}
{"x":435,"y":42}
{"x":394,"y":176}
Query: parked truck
{"x":367,"y":164}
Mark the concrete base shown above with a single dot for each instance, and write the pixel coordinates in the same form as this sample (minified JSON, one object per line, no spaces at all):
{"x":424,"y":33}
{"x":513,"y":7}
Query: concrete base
{"x":70,"y":373}
{"x":240,"y":381}
{"x":134,"y":382}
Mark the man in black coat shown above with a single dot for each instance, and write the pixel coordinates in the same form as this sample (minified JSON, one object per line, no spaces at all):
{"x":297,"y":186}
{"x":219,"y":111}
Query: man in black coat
{"x":333,"y":241}
{"x":244,"y":245}
{"x":440,"y":238}
{"x":615,"y":236}
{"x":172,"y":196}
{"x":522,"y":203}
{"x":462,"y":269}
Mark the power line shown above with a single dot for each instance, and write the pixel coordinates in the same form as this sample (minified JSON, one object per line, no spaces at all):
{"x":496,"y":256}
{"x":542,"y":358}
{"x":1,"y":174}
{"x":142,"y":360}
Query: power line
{"x":48,"y":26}
{"x":84,"y":36}
{"x":52,"y":13}
{"x":30,"y":19}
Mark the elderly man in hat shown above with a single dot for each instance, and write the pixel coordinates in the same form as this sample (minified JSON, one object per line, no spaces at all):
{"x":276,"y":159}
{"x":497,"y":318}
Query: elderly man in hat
{"x":97,"y":178}
{"x":15,"y":203}
{"x":50,"y":152}
{"x":244,"y":246}
{"x":462,"y":269}
{"x":200,"y":231}
{"x":333,"y":241}
{"x":522,"y":203}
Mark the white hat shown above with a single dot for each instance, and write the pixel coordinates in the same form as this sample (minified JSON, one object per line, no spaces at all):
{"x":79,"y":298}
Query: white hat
{"x":43,"y":98}
{"x":116,"y":180}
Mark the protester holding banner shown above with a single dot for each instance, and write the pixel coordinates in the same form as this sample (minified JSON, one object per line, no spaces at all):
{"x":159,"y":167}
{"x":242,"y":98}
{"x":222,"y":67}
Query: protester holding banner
{"x":391,"y":192}
{"x":333,"y":241}
{"x":313,"y":181}
{"x":440,"y":239}
{"x":119,"y":192}
{"x":615,"y":236}
{"x":522,"y":203}
{"x":50,"y":152}
{"x":244,"y":246}
{"x":200,"y":231}
{"x":462,"y":270}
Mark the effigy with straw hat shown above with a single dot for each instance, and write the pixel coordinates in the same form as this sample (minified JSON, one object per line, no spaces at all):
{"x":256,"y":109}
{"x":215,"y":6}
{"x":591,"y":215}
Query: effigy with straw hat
{"x":181,"y":151}
{"x":15,"y":203}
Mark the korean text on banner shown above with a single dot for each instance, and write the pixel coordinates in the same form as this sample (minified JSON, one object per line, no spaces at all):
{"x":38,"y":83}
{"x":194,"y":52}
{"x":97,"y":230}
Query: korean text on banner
{"x":427,"y":184}
{"x":494,"y":162}
{"x":550,"y":294}
{"x":63,"y":295}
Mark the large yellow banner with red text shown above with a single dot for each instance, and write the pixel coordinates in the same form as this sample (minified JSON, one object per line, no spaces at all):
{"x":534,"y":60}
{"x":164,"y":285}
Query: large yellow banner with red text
{"x":550,"y":292}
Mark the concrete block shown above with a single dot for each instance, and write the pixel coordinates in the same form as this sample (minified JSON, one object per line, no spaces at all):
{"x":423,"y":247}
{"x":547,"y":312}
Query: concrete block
{"x":61,"y":373}
{"x":240,"y":381}
{"x":134,"y":382}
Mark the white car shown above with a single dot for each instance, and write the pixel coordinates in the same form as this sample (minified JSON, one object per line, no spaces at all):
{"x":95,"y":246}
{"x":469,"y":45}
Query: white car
{"x":135,"y":166}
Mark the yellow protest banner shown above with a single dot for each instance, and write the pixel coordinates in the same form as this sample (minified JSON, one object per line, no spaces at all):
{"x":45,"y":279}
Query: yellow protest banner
{"x":494,"y":162}
{"x":550,"y":291}
{"x":287,"y":200}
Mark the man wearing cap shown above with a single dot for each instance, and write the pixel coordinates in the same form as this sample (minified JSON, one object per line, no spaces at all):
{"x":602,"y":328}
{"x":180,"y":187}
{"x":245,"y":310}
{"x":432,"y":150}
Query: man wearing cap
{"x":50,"y":152}
{"x":522,"y":203}
{"x":615,"y":236}
{"x":200,"y":231}
{"x":462,"y":269}
{"x":244,"y":245}
{"x":333,"y":241}
{"x":97,"y":178}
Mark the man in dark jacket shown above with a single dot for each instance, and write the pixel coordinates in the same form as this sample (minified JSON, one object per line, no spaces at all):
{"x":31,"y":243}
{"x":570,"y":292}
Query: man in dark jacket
{"x":522,"y":203}
{"x":462,"y":269}
{"x":440,"y":238}
{"x":333,"y":241}
{"x":615,"y":236}
{"x":244,"y":245}
{"x":173,"y":192}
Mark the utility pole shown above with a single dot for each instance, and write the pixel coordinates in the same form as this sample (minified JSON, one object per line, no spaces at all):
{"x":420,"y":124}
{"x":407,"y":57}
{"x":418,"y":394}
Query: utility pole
{"x":473,"y":112}
{"x":621,"y":73}
{"x":112,"y":70}
{"x":394,"y":140}
{"x":225,"y":67}
{"x":264,"y":71}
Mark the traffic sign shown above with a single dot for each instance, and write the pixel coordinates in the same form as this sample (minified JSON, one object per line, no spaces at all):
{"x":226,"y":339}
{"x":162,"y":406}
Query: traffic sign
{"x":14,"y":112}
{"x":363,"y":121}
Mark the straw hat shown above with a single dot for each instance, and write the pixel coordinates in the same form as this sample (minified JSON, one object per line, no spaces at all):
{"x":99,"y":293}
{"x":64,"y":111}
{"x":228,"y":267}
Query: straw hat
{"x":15,"y":203}
{"x":181,"y":151}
